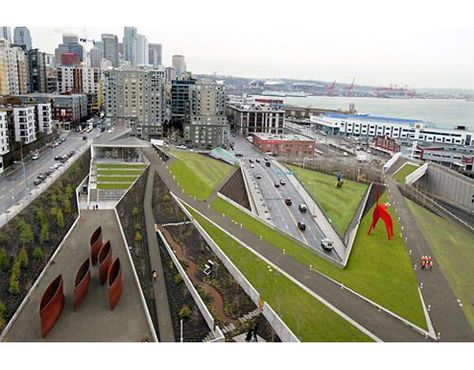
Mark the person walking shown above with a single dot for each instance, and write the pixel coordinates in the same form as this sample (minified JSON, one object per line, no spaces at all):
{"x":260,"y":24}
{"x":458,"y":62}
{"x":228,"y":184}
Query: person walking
{"x":155,"y":275}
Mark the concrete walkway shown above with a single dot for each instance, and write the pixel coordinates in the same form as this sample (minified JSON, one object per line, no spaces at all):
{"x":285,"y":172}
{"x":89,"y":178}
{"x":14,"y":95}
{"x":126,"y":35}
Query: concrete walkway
{"x":165,"y":324}
{"x":382,"y":324}
{"x":94,"y":321}
{"x":446,"y":314}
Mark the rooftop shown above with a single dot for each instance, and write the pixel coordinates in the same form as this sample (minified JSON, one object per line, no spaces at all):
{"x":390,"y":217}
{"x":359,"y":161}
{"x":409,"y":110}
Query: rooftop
{"x":282,"y":137}
{"x":373,"y":118}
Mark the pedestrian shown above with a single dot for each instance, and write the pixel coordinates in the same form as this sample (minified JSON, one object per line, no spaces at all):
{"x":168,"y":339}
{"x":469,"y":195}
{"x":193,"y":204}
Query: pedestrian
{"x":255,"y":330}
{"x":249,"y":335}
{"x":155,"y":275}
{"x":431,"y":263}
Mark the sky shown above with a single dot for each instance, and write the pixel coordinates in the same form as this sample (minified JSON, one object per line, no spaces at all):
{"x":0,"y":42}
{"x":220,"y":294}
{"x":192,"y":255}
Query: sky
{"x":422,"y":44}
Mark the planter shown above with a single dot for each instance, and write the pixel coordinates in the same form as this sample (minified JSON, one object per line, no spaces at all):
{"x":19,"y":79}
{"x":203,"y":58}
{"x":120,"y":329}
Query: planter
{"x":96,"y":243}
{"x":105,"y":260}
{"x":81,"y":284}
{"x":52,"y":304}
{"x":115,"y":283}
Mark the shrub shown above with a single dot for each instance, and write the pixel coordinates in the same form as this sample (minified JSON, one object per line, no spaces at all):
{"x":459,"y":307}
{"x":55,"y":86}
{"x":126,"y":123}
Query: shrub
{"x":2,"y":317}
{"x":14,"y":287}
{"x":135,"y":212}
{"x":53,"y":211}
{"x":178,"y":279}
{"x":4,"y":260}
{"x":185,"y":312}
{"x":26,"y":231}
{"x":38,"y":254}
{"x":67,"y":205}
{"x":138,"y":227}
{"x":22,"y":258}
{"x":44,"y":233}
{"x":138,"y":236}
{"x":60,"y":218}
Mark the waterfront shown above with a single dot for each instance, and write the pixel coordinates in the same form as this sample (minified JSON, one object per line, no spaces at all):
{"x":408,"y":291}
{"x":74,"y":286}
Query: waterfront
{"x":440,"y":112}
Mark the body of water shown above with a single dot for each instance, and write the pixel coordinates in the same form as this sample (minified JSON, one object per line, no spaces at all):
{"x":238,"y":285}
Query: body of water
{"x":438,"y":112}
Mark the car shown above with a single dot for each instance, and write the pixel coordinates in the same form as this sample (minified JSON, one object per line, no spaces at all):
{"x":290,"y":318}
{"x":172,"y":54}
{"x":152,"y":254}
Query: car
{"x":345,"y":154}
{"x":42,"y":176}
{"x":52,"y":169}
{"x":302,"y":207}
{"x":37,"y":181}
{"x":257,"y":160}
{"x":301,"y":226}
{"x":62,"y":140}
{"x":35,"y":156}
{"x":288,"y":201}
{"x":327,"y":244}
{"x":258,"y":177}
{"x":84,"y":137}
{"x":239,"y":155}
{"x":277,"y":185}
{"x":250,"y":160}
{"x":282,"y":182}
{"x":57,"y":158}
{"x":252,"y":166}
{"x":266,"y":159}
{"x":267,"y":164}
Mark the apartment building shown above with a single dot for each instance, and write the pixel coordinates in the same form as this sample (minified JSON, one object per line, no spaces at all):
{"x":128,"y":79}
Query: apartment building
{"x":136,"y":97}
{"x":14,"y":69}
{"x":208,"y":125}
{"x":4,"y":140}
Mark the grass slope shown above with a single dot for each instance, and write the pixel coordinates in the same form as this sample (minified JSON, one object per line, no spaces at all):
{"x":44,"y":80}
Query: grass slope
{"x":116,"y":178}
{"x":340,"y":204}
{"x":378,"y":269}
{"x":121,"y":165}
{"x":307,"y":317}
{"x":453,"y":248}
{"x":123,"y":172}
{"x":197,"y":174}
{"x":404,"y":171}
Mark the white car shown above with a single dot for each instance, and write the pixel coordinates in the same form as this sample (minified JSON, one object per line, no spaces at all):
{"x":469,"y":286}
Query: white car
{"x":252,"y":166}
{"x":35,"y":156}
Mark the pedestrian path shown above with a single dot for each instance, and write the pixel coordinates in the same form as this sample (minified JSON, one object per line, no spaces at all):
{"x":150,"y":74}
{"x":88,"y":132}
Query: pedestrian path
{"x":446,"y":314}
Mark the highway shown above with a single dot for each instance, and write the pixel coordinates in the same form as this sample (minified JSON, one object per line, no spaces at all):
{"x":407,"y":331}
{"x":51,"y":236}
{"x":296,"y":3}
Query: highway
{"x":12,"y":182}
{"x":282,"y":216}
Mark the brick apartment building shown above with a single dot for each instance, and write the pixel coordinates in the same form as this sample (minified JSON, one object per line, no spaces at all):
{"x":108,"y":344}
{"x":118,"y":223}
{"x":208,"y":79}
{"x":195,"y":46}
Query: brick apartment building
{"x":295,"y":146}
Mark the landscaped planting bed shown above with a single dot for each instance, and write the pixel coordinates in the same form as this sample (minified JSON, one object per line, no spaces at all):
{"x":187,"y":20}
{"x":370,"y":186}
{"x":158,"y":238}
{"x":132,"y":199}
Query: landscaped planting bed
{"x":29,"y":239}
{"x":165,"y":208}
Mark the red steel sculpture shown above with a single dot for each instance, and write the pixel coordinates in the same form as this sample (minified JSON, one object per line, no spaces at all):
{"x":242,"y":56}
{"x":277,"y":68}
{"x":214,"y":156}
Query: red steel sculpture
{"x":105,"y":260}
{"x":96,"y":243}
{"x":81,"y":284}
{"x":380,"y":211}
{"x":115,"y":283}
{"x":52,"y":304}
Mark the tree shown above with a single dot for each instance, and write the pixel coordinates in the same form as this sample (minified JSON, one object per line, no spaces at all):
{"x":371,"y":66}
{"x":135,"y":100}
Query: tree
{"x":60,"y":218}
{"x":53,"y":211}
{"x":38,"y":254}
{"x":67,"y":204}
{"x":4,"y":260}
{"x":178,"y":279}
{"x":2,"y":317}
{"x":135,"y":212}
{"x":26,"y":231}
{"x":185,"y":312}
{"x":14,"y":287}
{"x":23,"y":258}
{"x":138,"y":236}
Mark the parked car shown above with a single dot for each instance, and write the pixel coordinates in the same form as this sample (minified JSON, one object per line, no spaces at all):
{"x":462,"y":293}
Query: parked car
{"x":327,"y":244}
{"x":288,"y":201}
{"x":84,"y":189}
{"x":252,"y":166}
{"x":302,"y":207}
{"x":84,"y":137}
{"x":42,"y":176}
{"x":250,"y":160}
{"x":277,"y":185}
{"x":301,"y":226}
{"x":258,"y":177}
{"x":267,"y":164}
{"x":35,"y":156}
{"x":282,"y":182}
{"x":257,"y":160}
{"x":37,"y":181}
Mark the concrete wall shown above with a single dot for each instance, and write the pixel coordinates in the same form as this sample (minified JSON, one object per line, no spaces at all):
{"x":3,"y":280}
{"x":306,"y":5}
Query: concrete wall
{"x":450,"y":187}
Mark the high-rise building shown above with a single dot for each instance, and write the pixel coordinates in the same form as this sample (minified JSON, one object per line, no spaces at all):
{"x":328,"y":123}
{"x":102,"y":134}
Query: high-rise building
{"x":142,"y":51}
{"x":13,"y":69}
{"x":136,"y":97}
{"x":170,"y":74}
{"x":51,"y":79}
{"x":96,"y":56}
{"x":6,"y":33}
{"x":37,"y":71}
{"x":22,"y":37}
{"x":181,"y":101}
{"x":155,"y":55}
{"x":179,"y":64}
{"x":110,"y":46}
{"x":70,"y":45}
{"x":208,"y":125}
{"x":49,"y":60}
{"x":130,"y":45}
{"x":4,"y":139}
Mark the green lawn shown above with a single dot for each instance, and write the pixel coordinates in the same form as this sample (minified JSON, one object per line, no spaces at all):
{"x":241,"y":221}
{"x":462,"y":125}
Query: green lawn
{"x":121,"y":165}
{"x":107,"y":172}
{"x":128,"y":179}
{"x":339,"y":204}
{"x":378,"y":269}
{"x":404,"y":171}
{"x":453,"y":248}
{"x":113,"y":185}
{"x":198,"y":174}
{"x":307,"y":317}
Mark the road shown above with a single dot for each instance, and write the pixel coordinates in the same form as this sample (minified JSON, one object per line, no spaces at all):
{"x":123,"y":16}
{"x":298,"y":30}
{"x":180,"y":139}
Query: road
{"x":12,"y":183}
{"x":282,"y":216}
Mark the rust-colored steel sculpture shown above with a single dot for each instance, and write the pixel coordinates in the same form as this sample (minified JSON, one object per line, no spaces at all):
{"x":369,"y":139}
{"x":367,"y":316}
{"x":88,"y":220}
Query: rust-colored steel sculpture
{"x":115,"y":283}
{"x":105,"y":260}
{"x":52,"y":304}
{"x":81,"y":284}
{"x":96,"y":243}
